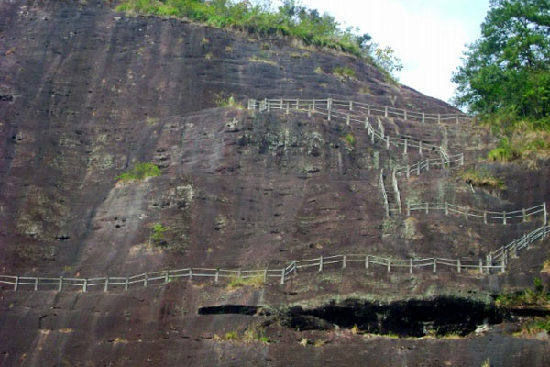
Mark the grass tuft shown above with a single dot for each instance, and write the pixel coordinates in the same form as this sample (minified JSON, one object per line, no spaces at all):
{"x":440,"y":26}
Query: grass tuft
{"x":140,"y":172}
{"x":256,"y":281}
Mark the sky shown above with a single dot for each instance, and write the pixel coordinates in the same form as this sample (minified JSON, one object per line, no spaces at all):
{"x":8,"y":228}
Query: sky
{"x":429,"y":36}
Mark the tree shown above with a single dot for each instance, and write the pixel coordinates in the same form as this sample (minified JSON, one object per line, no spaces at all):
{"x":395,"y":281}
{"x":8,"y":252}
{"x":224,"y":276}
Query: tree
{"x":507,"y":69}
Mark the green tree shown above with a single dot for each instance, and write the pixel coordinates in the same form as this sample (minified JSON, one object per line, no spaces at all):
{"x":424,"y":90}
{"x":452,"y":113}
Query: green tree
{"x":506,"y":71}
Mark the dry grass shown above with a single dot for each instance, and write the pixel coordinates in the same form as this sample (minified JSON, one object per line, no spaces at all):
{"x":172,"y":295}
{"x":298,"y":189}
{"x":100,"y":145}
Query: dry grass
{"x":256,"y":281}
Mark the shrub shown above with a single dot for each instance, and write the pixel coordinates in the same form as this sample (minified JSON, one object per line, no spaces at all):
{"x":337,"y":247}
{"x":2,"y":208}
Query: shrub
{"x":536,"y":296}
{"x":157,"y":234}
{"x":344,"y":72}
{"x":350,"y":139}
{"x":289,"y":19}
{"x":141,"y":171}
{"x":227,"y":101}
{"x":481,"y":178}
{"x":231,"y":335}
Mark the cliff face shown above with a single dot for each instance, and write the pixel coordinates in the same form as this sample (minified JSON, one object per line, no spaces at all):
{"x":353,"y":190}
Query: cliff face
{"x":86,"y":93}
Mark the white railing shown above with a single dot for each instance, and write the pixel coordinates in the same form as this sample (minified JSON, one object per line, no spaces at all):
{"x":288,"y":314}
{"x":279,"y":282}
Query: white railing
{"x":488,"y":216}
{"x":324,"y":107}
{"x":354,"y":106}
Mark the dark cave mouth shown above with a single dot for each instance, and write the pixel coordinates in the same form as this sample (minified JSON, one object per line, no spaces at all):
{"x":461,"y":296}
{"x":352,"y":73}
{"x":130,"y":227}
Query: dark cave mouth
{"x":441,"y":316}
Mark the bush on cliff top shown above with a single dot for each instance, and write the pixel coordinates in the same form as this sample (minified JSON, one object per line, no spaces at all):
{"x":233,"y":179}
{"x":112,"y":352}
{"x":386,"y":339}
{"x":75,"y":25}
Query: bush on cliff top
{"x":289,"y":19}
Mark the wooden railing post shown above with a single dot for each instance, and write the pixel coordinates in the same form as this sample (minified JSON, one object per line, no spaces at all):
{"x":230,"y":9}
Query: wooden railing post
{"x":106,"y":285}
{"x":408,"y":209}
{"x":502,"y":266}
{"x":126,"y":281}
{"x":389,"y":265}
{"x":446,"y":209}
{"x":367,"y":262}
{"x":435,"y":264}
{"x":504,"y":218}
{"x":166,"y":277}
{"x":347,"y":119}
{"x":523,"y":215}
{"x":485,"y":217}
{"x":411,"y":266}
{"x":405,"y":146}
{"x":265,"y":275}
{"x":420,"y":149}
{"x":16,"y":283}
{"x":36,"y":281}
{"x":217,"y":276}
{"x":458,"y":267}
{"x":404,"y":114}
{"x":321,"y":264}
{"x":283,"y":276}
{"x":351,"y":105}
{"x":386,"y":111}
{"x":423,"y":117}
{"x":344,"y":262}
{"x":480,"y":266}
{"x":60,"y":285}
{"x":146,"y":280}
{"x":438,"y":118}
{"x":329,"y":108}
{"x":85,"y":286}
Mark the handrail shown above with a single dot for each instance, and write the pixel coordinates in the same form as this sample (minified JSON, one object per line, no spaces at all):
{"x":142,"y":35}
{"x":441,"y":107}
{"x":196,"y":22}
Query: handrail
{"x":495,"y":260}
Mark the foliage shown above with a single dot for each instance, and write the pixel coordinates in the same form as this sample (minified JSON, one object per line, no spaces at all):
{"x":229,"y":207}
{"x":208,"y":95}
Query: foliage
{"x":505,"y":77}
{"x":141,"y":171}
{"x":387,"y":61}
{"x":227,"y":101}
{"x":289,"y":19}
{"x":344,"y":72}
{"x":481,"y":178}
{"x":255,"y":281}
{"x":255,"y":334}
{"x":537,"y":325}
{"x":157,"y":234}
{"x":536,"y":296}
{"x":350,"y":139}
{"x":231,"y":335}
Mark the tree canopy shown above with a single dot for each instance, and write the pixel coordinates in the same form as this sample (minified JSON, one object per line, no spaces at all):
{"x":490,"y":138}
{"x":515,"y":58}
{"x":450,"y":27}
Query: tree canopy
{"x":507,"y":69}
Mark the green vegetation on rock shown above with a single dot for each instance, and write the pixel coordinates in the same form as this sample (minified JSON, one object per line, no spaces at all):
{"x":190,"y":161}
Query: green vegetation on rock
{"x":344,"y":72}
{"x":289,"y":19}
{"x":505,"y":78}
{"x":157,"y":235}
{"x":536,"y":296}
{"x":238,"y":281}
{"x":481,"y":178}
{"x":227,"y":101}
{"x":141,"y":171}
